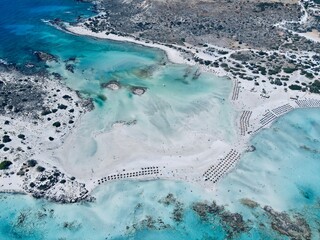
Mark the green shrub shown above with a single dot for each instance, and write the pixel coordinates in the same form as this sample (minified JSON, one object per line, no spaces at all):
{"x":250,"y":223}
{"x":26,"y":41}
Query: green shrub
{"x":5,"y":165}
{"x":315,"y":87}
{"x":289,"y":70}
{"x":309,"y":75}
{"x":295,"y":87}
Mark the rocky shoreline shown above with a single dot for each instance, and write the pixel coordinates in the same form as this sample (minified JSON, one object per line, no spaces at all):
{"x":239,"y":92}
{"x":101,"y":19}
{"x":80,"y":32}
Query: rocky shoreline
{"x":58,"y":113}
{"x":218,"y":36}
{"x":274,"y":55}
{"x":227,"y":23}
{"x":37,"y":112}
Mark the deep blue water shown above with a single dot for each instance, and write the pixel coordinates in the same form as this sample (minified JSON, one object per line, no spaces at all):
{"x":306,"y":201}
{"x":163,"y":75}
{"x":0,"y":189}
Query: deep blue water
{"x":22,"y":30}
{"x":283,"y":172}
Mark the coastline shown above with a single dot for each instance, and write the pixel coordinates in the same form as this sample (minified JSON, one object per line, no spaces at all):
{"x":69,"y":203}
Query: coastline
{"x":175,"y":53}
{"x":40,"y":130}
{"x":248,"y":99}
{"x":179,"y":121}
{"x":172,"y":54}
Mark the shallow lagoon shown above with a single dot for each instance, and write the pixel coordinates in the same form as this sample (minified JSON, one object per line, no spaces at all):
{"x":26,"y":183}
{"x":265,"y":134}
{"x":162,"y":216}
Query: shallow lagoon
{"x":165,"y":121}
{"x":122,"y":207}
{"x":176,"y":100}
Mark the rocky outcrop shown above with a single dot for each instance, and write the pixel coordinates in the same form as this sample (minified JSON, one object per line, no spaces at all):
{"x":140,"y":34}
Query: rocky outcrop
{"x":113,"y":85}
{"x":249,"y":203}
{"x":138,"y":90}
{"x":294,"y":227}
{"x":50,"y":183}
{"x":36,"y":114}
{"x":45,"y":57}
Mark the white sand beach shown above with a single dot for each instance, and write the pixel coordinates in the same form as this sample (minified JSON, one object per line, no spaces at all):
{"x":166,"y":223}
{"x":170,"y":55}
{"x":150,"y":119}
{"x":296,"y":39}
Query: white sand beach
{"x":122,"y":154}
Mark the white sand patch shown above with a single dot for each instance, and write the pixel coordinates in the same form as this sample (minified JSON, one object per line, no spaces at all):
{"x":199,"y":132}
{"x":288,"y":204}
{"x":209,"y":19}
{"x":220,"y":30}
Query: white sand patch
{"x":314,"y":35}
{"x":172,"y":54}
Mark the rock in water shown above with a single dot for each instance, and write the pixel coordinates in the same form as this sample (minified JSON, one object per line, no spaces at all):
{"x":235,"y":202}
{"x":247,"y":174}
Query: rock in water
{"x":249,"y":203}
{"x":113,"y":85}
{"x":294,"y":227}
{"x":45,"y":57}
{"x":251,"y":148}
{"x":138,"y":90}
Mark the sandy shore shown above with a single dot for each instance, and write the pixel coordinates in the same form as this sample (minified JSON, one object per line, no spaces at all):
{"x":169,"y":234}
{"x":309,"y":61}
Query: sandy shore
{"x":250,"y":99}
{"x":172,"y":54}
{"x":254,"y":112}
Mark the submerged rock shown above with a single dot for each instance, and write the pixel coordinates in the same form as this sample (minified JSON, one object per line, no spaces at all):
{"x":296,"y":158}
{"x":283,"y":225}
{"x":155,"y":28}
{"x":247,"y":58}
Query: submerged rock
{"x":74,"y":225}
{"x":102,"y":97}
{"x":232,"y":223}
{"x":70,"y":67}
{"x":29,"y":65}
{"x":249,"y":203}
{"x":204,"y":209}
{"x":45,"y":57}
{"x":150,"y":223}
{"x":168,"y":200}
{"x":178,"y":212}
{"x":294,"y":227}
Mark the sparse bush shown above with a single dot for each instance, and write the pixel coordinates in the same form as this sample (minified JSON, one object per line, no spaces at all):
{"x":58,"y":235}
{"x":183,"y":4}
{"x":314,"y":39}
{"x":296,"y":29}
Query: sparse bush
{"x":5,"y":165}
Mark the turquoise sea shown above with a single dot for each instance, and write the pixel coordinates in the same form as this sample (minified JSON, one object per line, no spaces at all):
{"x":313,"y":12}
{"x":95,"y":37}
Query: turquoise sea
{"x":282,"y":173}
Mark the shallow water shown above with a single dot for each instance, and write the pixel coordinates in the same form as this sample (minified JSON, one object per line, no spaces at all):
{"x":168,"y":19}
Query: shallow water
{"x":168,"y":117}
{"x":165,"y":121}
{"x":282,"y":172}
